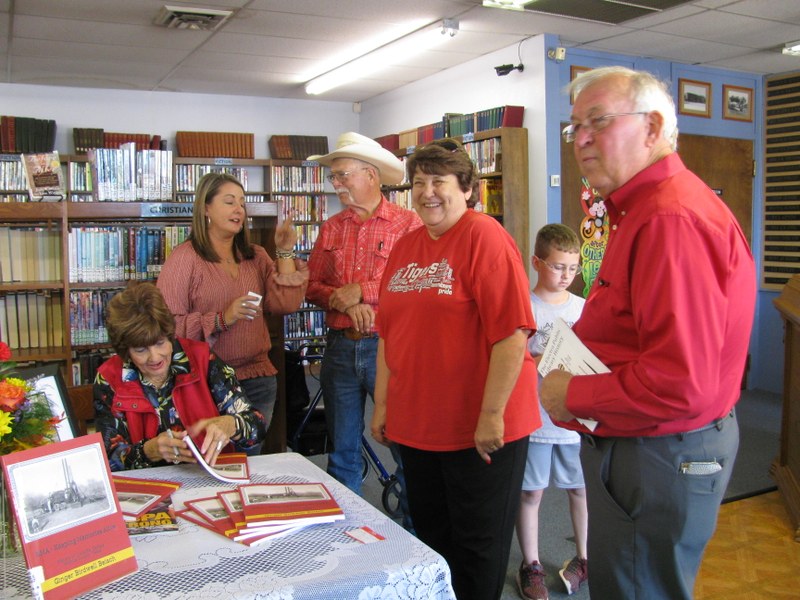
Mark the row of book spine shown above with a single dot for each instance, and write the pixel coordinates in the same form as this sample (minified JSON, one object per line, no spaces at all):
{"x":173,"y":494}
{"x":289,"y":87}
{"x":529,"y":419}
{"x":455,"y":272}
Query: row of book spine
{"x":85,"y":364}
{"x":455,"y":125}
{"x":30,"y":253}
{"x":128,"y":175}
{"x":297,"y":147}
{"x":307,"y":234}
{"x":214,"y":144}
{"x":298,"y":179}
{"x":26,"y":134}
{"x":401,"y":197}
{"x":80,"y":178}
{"x":84,"y":138}
{"x":188,"y":176}
{"x":87,"y":316}
{"x":12,"y":173}
{"x":305,"y":324}
{"x":485,"y":154}
{"x":490,"y":193}
{"x":303,"y":208}
{"x":32,"y":319}
{"x":490,"y":196}
{"x":121,"y":252}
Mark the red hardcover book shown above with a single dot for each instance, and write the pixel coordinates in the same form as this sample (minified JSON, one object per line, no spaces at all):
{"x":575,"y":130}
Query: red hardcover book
{"x":512,"y":116}
{"x":288,"y":503}
{"x":71,"y":527}
{"x":390,"y":141}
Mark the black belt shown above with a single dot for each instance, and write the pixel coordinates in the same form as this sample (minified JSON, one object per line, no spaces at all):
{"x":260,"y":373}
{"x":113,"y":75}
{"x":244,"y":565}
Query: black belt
{"x":351,"y":333}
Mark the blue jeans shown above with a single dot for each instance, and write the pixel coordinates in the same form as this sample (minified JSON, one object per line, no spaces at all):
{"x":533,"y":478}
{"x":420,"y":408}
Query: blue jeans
{"x":346,"y":377}
{"x":261,"y":393}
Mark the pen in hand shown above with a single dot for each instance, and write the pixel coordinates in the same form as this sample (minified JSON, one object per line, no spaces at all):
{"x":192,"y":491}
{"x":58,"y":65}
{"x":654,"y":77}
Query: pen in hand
{"x":174,"y":448}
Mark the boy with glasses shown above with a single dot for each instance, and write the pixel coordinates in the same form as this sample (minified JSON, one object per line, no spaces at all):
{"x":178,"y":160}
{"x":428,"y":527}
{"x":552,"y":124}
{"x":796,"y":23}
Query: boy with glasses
{"x":553,"y":452}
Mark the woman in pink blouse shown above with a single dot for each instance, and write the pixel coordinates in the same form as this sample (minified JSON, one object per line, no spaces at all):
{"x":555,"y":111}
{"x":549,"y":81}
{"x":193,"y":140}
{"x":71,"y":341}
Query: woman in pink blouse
{"x":220,"y":287}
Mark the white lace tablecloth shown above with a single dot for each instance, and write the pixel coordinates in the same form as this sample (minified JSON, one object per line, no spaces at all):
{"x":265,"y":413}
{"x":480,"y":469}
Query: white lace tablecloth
{"x":315,"y":563}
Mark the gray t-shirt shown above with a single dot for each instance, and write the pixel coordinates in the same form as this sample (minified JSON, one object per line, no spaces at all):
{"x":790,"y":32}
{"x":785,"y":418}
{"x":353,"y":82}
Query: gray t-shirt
{"x":546,"y":315}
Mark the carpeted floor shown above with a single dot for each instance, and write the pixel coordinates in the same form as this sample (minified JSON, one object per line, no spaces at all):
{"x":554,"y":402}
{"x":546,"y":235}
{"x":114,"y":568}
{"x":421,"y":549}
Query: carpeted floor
{"x":758,"y":414}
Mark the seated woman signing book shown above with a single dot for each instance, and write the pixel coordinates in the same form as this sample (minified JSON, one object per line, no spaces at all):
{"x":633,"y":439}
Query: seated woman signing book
{"x":158,"y":389}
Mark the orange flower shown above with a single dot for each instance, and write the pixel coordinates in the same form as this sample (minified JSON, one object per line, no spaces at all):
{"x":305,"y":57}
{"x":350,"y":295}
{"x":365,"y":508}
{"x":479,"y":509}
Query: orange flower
{"x":11,"y":395}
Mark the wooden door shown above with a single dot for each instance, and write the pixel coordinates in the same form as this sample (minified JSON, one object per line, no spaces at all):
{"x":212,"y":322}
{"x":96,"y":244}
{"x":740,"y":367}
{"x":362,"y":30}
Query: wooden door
{"x":724,"y":164}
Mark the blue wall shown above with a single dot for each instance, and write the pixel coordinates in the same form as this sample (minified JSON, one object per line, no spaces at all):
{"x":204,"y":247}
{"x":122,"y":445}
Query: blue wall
{"x":766,"y":346}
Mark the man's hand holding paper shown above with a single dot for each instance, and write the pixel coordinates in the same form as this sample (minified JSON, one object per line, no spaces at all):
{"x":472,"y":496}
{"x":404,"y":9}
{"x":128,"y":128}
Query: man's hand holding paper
{"x":564,"y":357}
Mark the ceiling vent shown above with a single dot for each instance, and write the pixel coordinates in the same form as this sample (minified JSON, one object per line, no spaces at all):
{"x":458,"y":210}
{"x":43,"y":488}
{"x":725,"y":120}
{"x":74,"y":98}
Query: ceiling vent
{"x":603,"y":11}
{"x":186,"y":17}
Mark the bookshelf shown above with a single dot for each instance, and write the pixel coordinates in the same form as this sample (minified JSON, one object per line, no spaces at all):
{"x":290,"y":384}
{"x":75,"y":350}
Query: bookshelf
{"x":501,"y":159}
{"x":71,"y":305}
{"x":298,"y":188}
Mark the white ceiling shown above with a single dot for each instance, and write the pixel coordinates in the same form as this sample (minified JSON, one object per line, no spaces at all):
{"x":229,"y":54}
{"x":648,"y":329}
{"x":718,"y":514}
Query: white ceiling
{"x":272,"y":47}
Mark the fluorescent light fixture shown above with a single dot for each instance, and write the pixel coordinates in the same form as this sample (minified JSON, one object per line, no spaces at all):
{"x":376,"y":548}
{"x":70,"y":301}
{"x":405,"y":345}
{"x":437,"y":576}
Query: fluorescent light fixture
{"x":412,"y":44}
{"x":507,"y":4}
{"x":792,"y":48}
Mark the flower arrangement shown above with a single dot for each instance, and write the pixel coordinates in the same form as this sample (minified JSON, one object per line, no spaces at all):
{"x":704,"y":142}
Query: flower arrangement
{"x":25,"y":419}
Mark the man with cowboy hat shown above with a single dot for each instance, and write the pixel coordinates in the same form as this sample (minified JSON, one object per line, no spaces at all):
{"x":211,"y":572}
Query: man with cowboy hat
{"x":345,"y":270}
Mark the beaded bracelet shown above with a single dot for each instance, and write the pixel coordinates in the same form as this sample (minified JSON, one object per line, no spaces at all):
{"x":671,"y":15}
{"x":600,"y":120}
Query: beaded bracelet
{"x":285,"y":253}
{"x":219,"y":322}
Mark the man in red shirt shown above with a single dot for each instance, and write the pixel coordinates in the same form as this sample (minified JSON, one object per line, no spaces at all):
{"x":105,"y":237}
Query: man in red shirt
{"x":345,"y":270}
{"x":670,"y":314}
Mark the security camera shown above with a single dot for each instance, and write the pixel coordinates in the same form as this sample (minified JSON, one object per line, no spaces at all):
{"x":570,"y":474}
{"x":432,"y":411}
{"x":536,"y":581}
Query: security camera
{"x":503,"y":70}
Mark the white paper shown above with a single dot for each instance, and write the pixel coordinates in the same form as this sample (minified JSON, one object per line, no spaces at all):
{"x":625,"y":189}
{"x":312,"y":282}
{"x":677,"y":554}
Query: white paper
{"x":256,"y":298}
{"x":211,"y":470}
{"x":564,"y":351}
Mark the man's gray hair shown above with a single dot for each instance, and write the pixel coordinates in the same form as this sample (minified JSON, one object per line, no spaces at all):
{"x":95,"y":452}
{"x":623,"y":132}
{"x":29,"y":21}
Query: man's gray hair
{"x":649,"y":94}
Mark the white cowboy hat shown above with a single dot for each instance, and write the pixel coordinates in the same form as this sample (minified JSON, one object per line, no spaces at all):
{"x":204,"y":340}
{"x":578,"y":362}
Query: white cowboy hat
{"x":354,"y":145}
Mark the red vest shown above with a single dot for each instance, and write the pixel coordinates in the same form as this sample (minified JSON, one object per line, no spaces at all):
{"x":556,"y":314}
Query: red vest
{"x":190,"y":395}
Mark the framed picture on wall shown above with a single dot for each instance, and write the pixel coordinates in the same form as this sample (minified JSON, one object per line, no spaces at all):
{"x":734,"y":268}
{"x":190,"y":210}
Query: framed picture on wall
{"x":694,"y":98}
{"x":574,"y":71}
{"x":737,"y":103}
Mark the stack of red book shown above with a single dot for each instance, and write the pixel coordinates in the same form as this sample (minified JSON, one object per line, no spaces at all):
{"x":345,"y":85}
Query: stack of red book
{"x":255,"y":513}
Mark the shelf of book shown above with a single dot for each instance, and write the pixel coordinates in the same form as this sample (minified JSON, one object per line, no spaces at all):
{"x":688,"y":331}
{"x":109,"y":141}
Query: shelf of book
{"x":62,"y":313}
{"x":501,"y":159}
{"x":298,"y":188}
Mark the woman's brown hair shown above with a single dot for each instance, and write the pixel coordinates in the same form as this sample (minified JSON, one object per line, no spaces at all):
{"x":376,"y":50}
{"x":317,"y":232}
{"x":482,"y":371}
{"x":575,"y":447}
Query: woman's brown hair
{"x":138,"y":317}
{"x":207,"y":189}
{"x":446,"y":157}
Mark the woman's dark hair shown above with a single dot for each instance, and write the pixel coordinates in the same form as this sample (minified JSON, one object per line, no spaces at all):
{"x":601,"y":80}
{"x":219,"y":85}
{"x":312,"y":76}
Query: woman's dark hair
{"x":446,"y":157}
{"x":206,"y":191}
{"x":138,"y":317}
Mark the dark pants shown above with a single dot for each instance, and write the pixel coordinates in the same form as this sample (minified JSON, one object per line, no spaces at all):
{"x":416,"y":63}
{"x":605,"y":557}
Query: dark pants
{"x":465,"y":509}
{"x":649,"y":523}
{"x":261,"y":392}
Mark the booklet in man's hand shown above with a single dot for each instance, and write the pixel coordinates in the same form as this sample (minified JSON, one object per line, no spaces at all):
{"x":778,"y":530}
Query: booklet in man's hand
{"x":566,"y":352}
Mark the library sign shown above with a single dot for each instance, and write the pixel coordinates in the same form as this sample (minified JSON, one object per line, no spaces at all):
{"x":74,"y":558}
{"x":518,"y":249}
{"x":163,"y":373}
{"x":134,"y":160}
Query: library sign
{"x":166,"y":209}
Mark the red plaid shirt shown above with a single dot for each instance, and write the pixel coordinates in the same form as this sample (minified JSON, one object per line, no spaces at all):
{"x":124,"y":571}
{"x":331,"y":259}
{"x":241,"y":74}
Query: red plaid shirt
{"x":349,"y":250}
